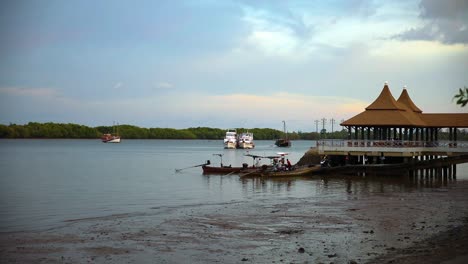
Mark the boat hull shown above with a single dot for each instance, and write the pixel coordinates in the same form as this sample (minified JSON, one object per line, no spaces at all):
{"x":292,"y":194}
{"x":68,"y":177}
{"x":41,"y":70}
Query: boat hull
{"x":246,"y":145}
{"x":114,"y":140}
{"x":109,"y":138}
{"x":293,"y":173}
{"x":230,"y":145}
{"x":226,"y":170}
{"x":284,"y":143}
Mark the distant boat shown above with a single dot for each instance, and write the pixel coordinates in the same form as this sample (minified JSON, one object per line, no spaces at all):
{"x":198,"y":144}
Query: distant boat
{"x":245,"y":141}
{"x":283,"y":142}
{"x":111,"y":138}
{"x":230,"y":140}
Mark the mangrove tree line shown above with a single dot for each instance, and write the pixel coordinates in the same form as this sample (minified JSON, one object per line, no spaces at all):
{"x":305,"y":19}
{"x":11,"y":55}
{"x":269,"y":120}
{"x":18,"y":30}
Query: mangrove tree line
{"x":58,"y":130}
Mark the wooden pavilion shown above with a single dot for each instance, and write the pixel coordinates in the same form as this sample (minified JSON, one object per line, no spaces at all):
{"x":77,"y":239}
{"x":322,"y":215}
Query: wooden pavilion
{"x":390,"y":119}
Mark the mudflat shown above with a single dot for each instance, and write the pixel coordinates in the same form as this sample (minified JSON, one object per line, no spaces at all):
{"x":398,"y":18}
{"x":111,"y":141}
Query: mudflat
{"x":425,"y":226}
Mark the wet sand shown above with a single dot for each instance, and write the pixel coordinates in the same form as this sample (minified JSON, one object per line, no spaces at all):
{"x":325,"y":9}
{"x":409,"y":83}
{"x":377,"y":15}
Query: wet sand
{"x":421,"y":226}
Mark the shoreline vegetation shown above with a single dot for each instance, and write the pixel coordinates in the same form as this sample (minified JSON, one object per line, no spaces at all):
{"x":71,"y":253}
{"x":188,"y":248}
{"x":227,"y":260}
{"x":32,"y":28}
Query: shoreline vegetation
{"x":75,"y":131}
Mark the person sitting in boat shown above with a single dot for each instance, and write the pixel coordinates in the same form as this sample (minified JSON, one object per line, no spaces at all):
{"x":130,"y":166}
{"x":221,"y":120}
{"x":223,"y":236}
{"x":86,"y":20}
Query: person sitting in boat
{"x":257,"y":163}
{"x":325,"y":162}
{"x":289,"y":166}
{"x":277,"y":167}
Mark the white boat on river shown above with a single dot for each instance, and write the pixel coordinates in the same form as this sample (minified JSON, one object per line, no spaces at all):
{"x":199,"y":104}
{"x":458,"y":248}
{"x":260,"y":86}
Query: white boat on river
{"x":230,"y":140}
{"x":246,"y":141}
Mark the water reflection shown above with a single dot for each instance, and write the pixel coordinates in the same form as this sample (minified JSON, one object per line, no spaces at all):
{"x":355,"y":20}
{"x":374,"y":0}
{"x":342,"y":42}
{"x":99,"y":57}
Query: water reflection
{"x":258,"y":185}
{"x":341,"y":185}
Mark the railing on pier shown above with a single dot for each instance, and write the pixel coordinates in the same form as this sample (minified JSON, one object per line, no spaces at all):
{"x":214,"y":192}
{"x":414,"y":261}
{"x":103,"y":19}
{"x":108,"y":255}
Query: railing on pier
{"x":392,"y":146}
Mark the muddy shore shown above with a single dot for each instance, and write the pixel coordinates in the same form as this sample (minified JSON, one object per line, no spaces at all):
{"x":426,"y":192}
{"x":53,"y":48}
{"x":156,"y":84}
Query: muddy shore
{"x":421,"y":226}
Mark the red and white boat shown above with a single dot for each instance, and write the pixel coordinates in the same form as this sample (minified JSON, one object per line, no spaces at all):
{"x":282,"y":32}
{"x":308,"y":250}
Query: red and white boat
{"x":112,"y":138}
{"x":109,"y":138}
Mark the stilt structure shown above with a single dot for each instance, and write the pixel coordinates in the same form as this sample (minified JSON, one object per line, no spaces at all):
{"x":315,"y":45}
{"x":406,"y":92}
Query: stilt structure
{"x":392,"y":131}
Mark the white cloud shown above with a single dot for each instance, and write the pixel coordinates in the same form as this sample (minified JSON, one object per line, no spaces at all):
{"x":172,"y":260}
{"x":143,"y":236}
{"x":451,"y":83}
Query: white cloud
{"x":300,"y":34}
{"x":274,"y":35}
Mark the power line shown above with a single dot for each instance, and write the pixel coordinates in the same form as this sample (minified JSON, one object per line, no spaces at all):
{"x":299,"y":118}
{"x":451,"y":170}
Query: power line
{"x":316,"y":125}
{"x":324,"y":121}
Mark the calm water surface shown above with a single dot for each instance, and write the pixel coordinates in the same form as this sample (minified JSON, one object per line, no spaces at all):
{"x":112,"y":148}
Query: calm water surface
{"x":46,"y":182}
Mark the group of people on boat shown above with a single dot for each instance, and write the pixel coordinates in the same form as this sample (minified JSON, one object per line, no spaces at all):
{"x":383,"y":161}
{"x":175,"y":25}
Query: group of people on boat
{"x":281,"y":165}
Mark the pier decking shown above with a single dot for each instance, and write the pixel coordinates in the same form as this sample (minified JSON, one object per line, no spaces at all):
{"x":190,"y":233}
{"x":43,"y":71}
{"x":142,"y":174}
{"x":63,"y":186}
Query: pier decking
{"x":392,"y":148}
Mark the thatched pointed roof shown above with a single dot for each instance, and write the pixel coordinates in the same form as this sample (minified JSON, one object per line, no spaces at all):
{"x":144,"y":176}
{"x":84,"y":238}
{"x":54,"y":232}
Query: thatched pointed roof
{"x":385,"y":101}
{"x":405,"y":99}
{"x":389,"y":118}
{"x":386,"y":111}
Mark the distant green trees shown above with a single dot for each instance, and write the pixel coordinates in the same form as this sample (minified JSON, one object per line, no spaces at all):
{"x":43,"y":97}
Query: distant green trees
{"x":57,"y":130}
{"x":47,"y":130}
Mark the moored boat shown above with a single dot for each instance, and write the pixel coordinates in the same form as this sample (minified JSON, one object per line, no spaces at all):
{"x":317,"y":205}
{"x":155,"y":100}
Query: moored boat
{"x":109,"y":138}
{"x":230,"y":140}
{"x":223,"y":170}
{"x":301,"y":171}
{"x":245,"y":141}
{"x":283,"y":142}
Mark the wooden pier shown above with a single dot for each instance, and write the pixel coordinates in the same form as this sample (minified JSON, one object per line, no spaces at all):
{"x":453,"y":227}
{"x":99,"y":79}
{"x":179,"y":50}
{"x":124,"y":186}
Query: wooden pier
{"x":394,"y":136}
{"x":414,"y":167}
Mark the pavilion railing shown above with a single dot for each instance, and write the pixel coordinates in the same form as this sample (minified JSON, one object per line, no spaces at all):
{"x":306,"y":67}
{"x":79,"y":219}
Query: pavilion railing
{"x":392,"y":145}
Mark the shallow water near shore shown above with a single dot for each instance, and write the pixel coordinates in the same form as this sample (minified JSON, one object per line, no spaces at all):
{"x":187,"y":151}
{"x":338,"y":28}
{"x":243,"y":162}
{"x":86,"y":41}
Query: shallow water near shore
{"x":45,"y":182}
{"x":125,"y":203}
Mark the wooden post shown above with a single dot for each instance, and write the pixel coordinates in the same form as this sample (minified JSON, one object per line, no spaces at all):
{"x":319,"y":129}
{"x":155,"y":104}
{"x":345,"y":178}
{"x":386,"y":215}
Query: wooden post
{"x":454,"y":171}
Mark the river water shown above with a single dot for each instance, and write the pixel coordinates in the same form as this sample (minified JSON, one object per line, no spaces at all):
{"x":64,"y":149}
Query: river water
{"x":83,"y":197}
{"x":45,"y":182}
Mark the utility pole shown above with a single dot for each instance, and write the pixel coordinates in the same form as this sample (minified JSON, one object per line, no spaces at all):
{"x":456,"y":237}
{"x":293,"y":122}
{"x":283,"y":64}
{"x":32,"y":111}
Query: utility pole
{"x":324,"y":121}
{"x":332,"y":121}
{"x":316,"y":125}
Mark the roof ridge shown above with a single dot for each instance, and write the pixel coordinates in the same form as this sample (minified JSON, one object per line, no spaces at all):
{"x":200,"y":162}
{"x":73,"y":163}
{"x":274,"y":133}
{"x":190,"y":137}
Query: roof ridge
{"x":405,"y":100}
{"x":385,"y":101}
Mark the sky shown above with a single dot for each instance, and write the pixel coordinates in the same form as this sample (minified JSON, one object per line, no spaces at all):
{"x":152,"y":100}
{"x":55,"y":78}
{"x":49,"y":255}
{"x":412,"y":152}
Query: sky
{"x":226,"y":64}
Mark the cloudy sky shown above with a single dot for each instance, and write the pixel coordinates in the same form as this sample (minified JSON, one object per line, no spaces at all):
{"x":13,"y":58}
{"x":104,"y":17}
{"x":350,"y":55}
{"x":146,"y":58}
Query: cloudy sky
{"x":225,"y":63}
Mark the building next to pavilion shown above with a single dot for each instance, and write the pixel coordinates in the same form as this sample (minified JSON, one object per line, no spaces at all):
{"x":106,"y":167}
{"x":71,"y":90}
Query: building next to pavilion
{"x":394,"y":131}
